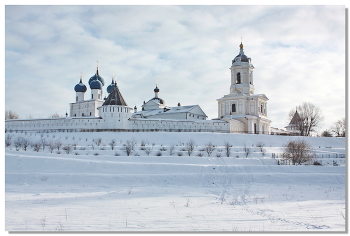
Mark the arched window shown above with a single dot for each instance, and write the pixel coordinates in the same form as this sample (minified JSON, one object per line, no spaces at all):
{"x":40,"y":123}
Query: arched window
{"x":77,"y":98}
{"x":90,"y":113}
{"x":233,"y":107}
{"x":92,"y":96}
{"x":238,"y":81}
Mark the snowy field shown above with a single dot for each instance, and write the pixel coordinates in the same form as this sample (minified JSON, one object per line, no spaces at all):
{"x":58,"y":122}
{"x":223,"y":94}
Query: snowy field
{"x":159,"y":187}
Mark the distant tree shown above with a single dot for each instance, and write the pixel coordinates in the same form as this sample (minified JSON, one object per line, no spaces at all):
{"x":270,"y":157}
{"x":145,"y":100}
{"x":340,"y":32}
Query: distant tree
{"x":54,"y":115}
{"x":190,"y":147}
{"x":10,"y":115}
{"x":326,"y":133}
{"x":227,"y":149}
{"x":339,"y":128}
{"x":310,"y":118}
{"x":36,"y":146}
{"x":8,"y":139}
{"x":112,"y":143}
{"x":209,"y":148}
{"x":298,"y":151}
{"x":128,"y":147}
{"x":58,"y":144}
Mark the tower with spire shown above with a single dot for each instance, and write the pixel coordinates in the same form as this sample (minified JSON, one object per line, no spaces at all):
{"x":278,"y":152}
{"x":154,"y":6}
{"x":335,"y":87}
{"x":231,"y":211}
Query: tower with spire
{"x":242,"y":107}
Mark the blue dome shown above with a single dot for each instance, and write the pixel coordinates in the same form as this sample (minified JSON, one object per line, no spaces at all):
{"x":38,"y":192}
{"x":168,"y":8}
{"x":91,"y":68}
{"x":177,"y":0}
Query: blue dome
{"x":97,"y":77}
{"x":80,"y":87}
{"x":95,"y":84}
{"x":110,"y":87}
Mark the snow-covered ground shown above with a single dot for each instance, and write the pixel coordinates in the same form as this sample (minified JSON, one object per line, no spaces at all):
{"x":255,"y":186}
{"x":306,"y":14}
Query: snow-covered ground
{"x":95,"y":188}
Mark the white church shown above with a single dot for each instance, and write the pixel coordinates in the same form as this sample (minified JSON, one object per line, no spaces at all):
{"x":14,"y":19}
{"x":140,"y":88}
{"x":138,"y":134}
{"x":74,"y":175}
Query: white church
{"x":240,"y":111}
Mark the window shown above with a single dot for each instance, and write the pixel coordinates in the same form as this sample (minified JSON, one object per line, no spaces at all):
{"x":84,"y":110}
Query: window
{"x":90,"y":113}
{"x":233,"y":107}
{"x":92,"y":96}
{"x":76,"y":98}
{"x":238,"y":81}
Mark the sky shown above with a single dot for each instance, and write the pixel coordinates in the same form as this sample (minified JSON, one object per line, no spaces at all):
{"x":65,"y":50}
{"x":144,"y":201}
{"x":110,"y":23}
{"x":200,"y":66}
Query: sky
{"x":298,"y":53}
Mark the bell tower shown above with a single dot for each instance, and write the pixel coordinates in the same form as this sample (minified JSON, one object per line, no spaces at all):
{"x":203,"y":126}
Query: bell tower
{"x":242,"y":74}
{"x":245,"y":110}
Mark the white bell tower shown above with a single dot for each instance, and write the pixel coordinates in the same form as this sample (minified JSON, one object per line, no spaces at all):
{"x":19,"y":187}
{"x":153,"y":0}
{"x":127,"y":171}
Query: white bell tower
{"x":242,"y":74}
{"x":242,"y":106}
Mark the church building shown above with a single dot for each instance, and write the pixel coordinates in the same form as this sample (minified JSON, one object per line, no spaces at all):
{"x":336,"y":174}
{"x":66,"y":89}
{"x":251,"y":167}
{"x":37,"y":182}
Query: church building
{"x":240,"y":111}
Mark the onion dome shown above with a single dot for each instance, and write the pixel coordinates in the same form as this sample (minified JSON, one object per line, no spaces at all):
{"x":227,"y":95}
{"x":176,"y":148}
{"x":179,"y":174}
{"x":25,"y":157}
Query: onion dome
{"x":241,"y":57}
{"x":97,"y":77}
{"x":111,"y":86}
{"x":156,"y":90}
{"x":96,"y":84}
{"x":80,"y":87}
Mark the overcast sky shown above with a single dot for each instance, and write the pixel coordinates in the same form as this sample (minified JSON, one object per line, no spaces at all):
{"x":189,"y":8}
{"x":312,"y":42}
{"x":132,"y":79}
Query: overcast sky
{"x":298,"y":53}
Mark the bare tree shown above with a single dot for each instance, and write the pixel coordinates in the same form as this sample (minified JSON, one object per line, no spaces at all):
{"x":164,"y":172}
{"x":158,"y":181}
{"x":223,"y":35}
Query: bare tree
{"x":43,"y":143}
{"x":309,"y":118}
{"x":67,"y":148}
{"x":148,"y":150}
{"x":298,"y":151}
{"x":326,"y":133}
{"x":18,"y":144}
{"x":58,"y":144}
{"x":339,"y":128}
{"x":23,"y":142}
{"x":209,"y":148}
{"x":246,"y":150}
{"x":190,"y":147}
{"x":128,"y":147}
{"x":51,"y":145}
{"x":98,"y":141}
{"x":8,"y":139}
{"x":36,"y":146}
{"x":10,"y":115}
{"x":227,"y":149}
{"x":112,"y":143}
{"x":171,"y":149}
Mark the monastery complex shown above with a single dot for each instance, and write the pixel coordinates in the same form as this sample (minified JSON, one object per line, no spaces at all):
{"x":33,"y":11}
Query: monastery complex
{"x":240,"y":111}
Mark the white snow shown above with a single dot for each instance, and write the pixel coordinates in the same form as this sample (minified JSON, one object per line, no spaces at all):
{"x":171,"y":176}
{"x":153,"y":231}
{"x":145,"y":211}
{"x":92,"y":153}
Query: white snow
{"x":91,"y":189}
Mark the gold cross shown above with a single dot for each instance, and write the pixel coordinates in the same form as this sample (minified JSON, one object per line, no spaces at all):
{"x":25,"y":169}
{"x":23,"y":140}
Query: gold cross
{"x":241,"y":39}
{"x":97,"y":63}
{"x":81,"y":74}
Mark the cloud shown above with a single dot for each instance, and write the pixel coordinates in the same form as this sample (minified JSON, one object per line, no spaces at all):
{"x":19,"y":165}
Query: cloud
{"x":298,"y":53}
